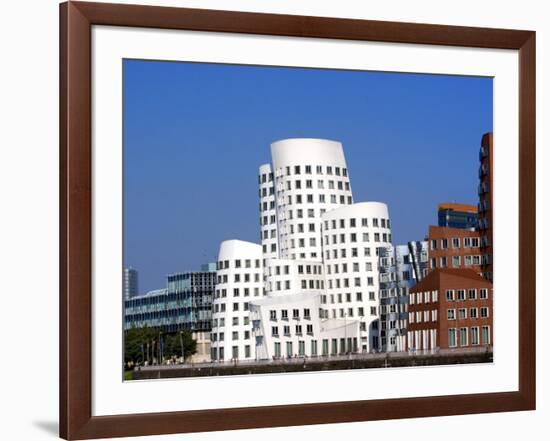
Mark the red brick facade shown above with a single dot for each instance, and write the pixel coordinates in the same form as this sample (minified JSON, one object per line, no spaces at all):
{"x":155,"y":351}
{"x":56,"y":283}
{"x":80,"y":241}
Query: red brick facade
{"x":450,"y":308}
{"x":453,"y":248}
{"x":485,"y":207}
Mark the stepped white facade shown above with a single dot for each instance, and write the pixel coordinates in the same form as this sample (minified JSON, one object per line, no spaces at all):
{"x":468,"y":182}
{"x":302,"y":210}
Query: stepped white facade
{"x":315,"y":290}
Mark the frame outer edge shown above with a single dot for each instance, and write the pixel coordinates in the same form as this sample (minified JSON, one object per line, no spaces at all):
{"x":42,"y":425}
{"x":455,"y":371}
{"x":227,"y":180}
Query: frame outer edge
{"x":76,"y":421}
{"x":527,"y":233}
{"x":63,"y":429}
{"x":75,"y":212}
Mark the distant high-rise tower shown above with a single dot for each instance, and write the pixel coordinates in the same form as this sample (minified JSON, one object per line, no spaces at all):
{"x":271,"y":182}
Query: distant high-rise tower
{"x":130,"y":283}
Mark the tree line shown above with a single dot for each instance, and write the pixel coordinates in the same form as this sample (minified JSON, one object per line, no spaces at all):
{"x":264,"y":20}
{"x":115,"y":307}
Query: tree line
{"x":151,"y":345}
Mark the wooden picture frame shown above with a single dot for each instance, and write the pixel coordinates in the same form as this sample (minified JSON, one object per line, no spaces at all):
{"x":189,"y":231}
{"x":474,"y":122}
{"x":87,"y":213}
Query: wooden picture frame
{"x":76,"y":420}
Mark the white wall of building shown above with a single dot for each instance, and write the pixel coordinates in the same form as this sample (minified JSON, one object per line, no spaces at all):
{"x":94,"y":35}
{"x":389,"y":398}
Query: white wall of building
{"x":284,"y":276}
{"x":311,"y":178}
{"x":351,"y":238}
{"x":239,"y":280}
{"x":288,"y":326}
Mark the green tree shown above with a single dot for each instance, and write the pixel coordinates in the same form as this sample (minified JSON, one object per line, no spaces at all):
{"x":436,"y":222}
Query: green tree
{"x":135,"y":343}
{"x":136,"y":340}
{"x":173,"y":344}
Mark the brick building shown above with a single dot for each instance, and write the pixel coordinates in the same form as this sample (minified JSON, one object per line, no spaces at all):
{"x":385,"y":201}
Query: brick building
{"x":485,"y":207}
{"x":450,"y":308}
{"x":471,"y":244}
{"x":454,"y":248}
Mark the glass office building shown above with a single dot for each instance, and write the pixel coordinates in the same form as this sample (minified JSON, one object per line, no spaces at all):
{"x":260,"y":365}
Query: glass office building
{"x":457,"y":216}
{"x":185,"y":303}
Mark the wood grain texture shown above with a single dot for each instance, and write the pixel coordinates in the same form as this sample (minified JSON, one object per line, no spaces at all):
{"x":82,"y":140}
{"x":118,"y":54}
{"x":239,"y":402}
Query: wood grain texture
{"x":76,"y":420}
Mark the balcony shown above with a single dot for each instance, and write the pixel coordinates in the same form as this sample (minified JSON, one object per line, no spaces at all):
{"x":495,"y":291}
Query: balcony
{"x":483,"y":152}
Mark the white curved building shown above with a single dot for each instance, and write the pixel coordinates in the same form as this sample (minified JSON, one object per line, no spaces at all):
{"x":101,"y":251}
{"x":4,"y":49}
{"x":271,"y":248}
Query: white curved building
{"x":268,"y":212}
{"x":317,"y":264}
{"x":352,"y":236}
{"x":310,"y":178}
{"x":238,"y":281}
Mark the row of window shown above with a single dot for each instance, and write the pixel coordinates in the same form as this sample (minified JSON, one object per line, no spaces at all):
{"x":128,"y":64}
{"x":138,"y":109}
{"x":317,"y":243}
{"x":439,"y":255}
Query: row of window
{"x":349,"y":312}
{"x":450,"y":295}
{"x":346,"y":283}
{"x":335,"y":268}
{"x":323,"y":199}
{"x":284,"y":314}
{"x":456,"y":261}
{"x":239,"y":263}
{"x":277,"y":270}
{"x":455,"y":242}
{"x":286,"y":285}
{"x":221,"y":307}
{"x":423,"y":316}
{"x":235,"y":321}
{"x":462,"y":337}
{"x":353,"y":238}
{"x":222,"y":293}
{"x":355,"y":222}
{"x":346,"y":345}
{"x":463,"y":313}
{"x":219,"y":353}
{"x":286,"y":330}
{"x":342,"y":185}
{"x":354,"y":252}
{"x":238,"y":278}
{"x":460,"y":294}
{"x":346,"y":297}
{"x":235,"y":335}
{"x":308,"y":170}
{"x":195,"y":294}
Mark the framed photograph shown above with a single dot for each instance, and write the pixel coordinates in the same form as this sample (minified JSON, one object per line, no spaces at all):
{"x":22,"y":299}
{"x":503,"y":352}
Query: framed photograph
{"x":273,"y":220}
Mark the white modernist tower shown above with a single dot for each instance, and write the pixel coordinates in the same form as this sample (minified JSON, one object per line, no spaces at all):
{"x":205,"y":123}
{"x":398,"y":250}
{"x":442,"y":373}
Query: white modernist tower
{"x":318,"y":263}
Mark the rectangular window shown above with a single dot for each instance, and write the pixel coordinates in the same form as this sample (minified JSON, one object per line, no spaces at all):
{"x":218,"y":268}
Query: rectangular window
{"x":463,"y":336}
{"x":313,"y":348}
{"x":289,"y":350}
{"x":452,"y":337}
{"x":485,"y":335}
{"x":325,"y":346}
{"x":277,"y":349}
{"x":475,"y":335}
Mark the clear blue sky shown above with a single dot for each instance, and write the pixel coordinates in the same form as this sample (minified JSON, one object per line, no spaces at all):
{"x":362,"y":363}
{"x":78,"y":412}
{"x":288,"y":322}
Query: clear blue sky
{"x":195,"y":134}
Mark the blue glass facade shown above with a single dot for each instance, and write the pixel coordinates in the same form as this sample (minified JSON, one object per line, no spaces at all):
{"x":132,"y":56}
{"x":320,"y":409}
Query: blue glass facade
{"x":185,"y":303}
{"x":453,"y":218}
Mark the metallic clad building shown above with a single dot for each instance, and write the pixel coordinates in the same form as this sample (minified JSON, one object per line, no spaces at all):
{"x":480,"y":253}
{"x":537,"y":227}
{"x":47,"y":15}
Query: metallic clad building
{"x":401,"y":267}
